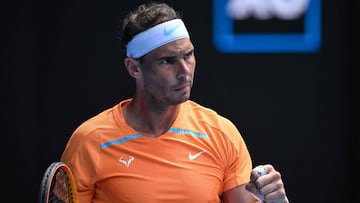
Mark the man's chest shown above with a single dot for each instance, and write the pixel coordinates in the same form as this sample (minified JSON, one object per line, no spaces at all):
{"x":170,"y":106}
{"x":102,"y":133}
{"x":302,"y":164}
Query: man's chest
{"x":163,"y":171}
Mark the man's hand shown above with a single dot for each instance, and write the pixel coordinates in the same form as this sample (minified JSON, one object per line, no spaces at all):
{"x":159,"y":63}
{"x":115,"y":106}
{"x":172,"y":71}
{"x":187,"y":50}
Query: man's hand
{"x":267,"y":184}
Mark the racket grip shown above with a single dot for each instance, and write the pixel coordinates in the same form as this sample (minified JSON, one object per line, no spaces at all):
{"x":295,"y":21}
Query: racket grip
{"x":260,"y":171}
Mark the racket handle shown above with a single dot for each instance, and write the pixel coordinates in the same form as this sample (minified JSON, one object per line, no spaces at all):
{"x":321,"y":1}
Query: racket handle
{"x":260,"y":171}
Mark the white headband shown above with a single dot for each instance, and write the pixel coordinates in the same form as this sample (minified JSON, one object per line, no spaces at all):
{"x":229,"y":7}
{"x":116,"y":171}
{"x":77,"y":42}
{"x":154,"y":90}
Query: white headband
{"x":154,"y":37}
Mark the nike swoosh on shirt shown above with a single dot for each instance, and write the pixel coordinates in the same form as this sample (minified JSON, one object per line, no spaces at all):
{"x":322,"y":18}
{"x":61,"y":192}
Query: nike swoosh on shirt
{"x":192,"y":157}
{"x":168,"y":32}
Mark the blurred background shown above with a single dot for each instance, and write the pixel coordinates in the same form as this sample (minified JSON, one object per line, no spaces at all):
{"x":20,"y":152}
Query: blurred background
{"x":296,"y":108}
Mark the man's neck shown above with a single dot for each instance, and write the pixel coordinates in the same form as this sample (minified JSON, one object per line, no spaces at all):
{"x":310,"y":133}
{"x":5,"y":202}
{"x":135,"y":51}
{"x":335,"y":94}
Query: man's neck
{"x":149,"y":119}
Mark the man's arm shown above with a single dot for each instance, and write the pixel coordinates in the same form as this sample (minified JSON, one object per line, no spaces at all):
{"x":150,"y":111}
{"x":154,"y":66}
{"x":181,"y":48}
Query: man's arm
{"x":269,"y":186}
{"x":239,"y":194}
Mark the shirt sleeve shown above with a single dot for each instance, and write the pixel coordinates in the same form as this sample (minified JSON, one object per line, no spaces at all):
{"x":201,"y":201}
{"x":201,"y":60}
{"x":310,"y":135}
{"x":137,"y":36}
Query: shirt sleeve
{"x":81,"y":154}
{"x":239,"y":164}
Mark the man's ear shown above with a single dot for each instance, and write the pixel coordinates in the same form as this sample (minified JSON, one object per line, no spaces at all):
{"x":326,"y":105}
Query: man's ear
{"x":133,"y":67}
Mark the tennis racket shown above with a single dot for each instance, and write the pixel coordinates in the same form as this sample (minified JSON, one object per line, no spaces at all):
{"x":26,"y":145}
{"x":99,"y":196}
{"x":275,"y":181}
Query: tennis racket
{"x":58,"y":185}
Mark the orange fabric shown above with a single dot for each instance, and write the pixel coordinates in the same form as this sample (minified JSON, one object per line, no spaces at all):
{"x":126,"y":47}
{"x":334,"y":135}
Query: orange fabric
{"x":199,"y":158}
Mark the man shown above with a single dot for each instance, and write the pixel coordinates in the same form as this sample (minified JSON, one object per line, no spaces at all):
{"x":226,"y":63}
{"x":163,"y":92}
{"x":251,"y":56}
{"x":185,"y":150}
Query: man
{"x":159,"y":146}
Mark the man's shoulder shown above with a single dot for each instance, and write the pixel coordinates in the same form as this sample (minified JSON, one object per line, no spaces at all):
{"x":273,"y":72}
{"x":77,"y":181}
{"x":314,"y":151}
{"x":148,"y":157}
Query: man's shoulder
{"x":103,"y":119}
{"x":200,"y":108}
{"x":209,"y":119}
{"x":204,"y":112}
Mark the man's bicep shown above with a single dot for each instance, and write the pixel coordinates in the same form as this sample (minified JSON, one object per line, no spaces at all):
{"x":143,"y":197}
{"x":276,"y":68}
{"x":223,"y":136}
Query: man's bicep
{"x":239,"y":194}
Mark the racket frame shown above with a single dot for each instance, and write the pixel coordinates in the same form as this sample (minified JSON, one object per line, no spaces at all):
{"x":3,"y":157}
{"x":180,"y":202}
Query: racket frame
{"x":48,"y":177}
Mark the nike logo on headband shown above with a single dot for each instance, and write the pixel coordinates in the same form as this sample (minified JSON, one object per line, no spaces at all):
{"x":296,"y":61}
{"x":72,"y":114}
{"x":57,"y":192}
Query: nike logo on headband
{"x":168,"y":32}
{"x":163,"y":33}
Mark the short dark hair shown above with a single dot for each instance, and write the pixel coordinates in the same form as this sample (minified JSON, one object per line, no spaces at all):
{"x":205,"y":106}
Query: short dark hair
{"x":144,"y":17}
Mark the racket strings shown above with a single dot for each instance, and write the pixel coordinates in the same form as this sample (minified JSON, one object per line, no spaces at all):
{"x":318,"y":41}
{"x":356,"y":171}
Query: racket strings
{"x":60,"y":189}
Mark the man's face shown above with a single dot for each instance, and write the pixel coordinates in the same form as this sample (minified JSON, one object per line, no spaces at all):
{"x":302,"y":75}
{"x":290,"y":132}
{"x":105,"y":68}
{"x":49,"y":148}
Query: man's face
{"x":168,"y":72}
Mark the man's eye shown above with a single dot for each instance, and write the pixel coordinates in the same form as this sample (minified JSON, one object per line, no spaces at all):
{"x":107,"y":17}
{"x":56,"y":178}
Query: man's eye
{"x":167,"y":61}
{"x":164,"y":61}
{"x":188,"y":55}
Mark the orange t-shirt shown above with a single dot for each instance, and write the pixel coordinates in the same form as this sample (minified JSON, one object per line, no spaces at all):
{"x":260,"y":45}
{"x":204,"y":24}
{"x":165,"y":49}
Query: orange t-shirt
{"x":201,"y":156}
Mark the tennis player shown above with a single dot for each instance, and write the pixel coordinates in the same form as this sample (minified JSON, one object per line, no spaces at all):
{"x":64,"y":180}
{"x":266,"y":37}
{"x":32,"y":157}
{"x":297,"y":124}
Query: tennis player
{"x":160,"y":146}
